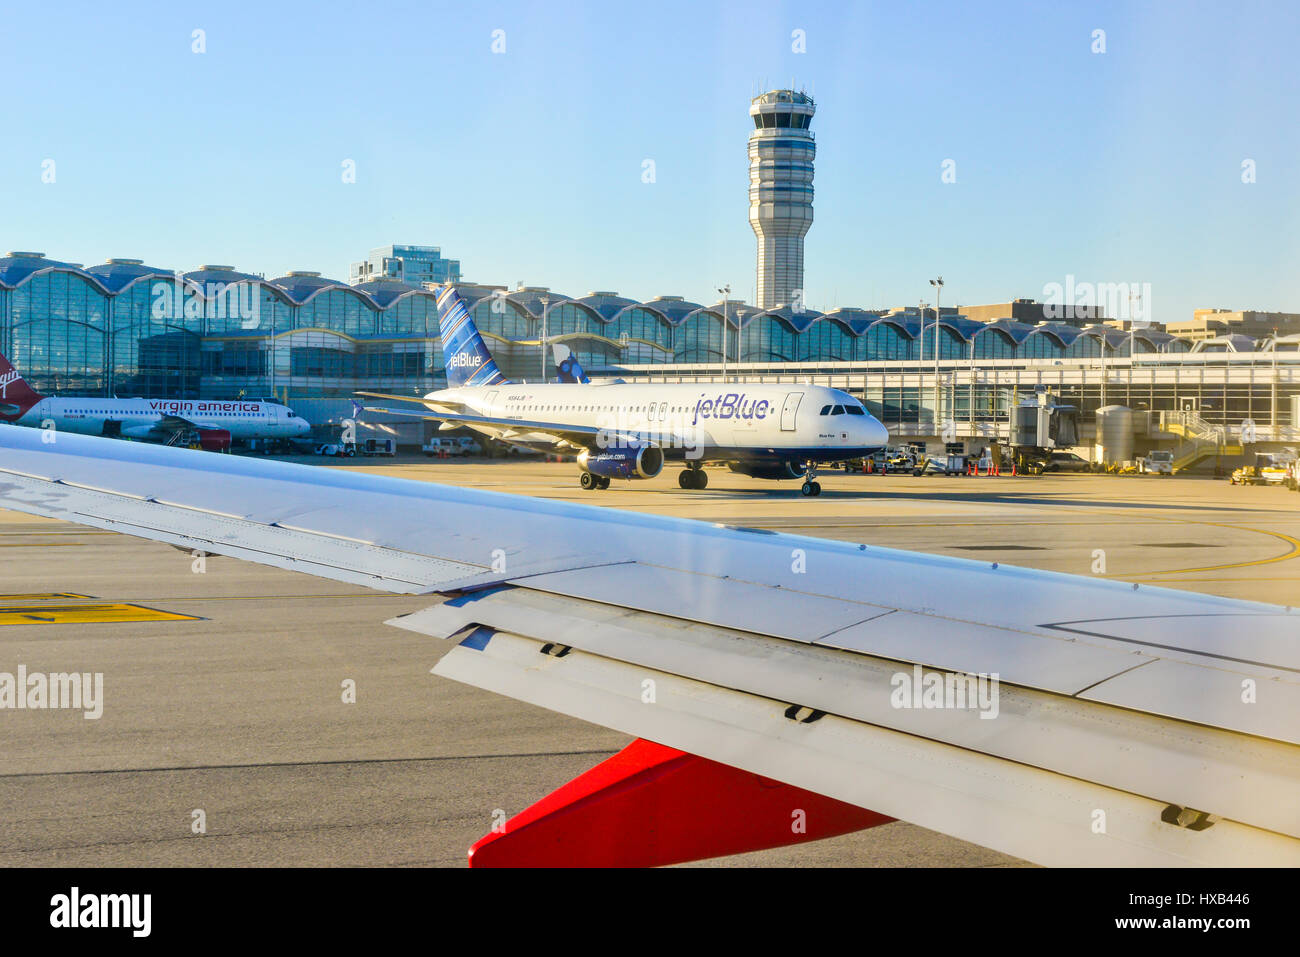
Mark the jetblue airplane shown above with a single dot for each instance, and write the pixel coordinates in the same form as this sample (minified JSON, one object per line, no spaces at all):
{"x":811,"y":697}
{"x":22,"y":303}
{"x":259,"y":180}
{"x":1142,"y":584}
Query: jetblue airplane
{"x":214,"y":422}
{"x":628,"y":431}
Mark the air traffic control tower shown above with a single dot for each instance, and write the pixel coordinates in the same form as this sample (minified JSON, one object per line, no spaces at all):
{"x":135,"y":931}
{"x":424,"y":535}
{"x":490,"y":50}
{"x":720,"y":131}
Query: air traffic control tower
{"x":781,"y":151}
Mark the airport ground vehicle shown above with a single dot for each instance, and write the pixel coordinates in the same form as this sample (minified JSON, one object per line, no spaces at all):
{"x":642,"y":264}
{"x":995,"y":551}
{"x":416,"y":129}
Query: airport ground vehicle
{"x":379,"y":447}
{"x":1269,"y":469}
{"x":900,"y":460}
{"x":1157,"y":462}
{"x":941,"y":465}
{"x":1067,"y":462}
{"x":444,"y":448}
{"x":337,"y":449}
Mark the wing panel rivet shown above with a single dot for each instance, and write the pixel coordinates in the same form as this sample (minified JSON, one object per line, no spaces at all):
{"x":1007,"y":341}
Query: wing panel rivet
{"x":803,"y":714}
{"x":1187,"y":817}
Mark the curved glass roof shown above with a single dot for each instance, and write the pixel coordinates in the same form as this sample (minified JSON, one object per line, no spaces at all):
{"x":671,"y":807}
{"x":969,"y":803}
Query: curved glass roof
{"x":17,"y":266}
{"x":606,"y":305}
{"x":384,"y":292}
{"x":530,"y":299}
{"x":303,"y":285}
{"x":673,"y":308}
{"x":226,"y":274}
{"x":116,"y":275}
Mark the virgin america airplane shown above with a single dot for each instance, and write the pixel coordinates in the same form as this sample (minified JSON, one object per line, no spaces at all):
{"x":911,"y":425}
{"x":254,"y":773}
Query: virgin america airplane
{"x":213,"y":423}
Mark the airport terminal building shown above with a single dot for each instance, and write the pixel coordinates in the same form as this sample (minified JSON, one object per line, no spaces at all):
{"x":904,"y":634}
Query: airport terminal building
{"x":124,"y":328}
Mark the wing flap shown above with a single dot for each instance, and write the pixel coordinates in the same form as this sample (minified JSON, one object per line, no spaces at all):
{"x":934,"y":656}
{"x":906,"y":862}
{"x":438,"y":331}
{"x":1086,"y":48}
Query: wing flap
{"x":1248,"y":780}
{"x":1027,"y":812}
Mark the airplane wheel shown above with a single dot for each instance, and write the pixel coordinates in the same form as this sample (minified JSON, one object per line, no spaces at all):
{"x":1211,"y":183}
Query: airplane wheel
{"x":684,"y":479}
{"x":817,"y":488}
{"x":604,"y":482}
{"x":807,"y":489}
{"x":701,"y":479}
{"x":587,"y":481}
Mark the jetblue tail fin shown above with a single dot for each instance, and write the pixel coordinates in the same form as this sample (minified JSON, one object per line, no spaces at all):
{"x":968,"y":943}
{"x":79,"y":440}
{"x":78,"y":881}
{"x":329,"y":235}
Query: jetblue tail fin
{"x":466,"y":355}
{"x":567,"y":365}
{"x":16,"y":396}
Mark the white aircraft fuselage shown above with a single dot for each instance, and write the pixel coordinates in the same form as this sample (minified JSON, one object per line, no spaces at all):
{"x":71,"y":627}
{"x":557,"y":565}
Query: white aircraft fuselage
{"x":745,"y":423}
{"x":142,"y":418}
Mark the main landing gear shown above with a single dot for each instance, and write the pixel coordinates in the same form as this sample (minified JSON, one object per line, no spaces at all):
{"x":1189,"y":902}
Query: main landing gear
{"x":811,"y":486}
{"x":590,"y":481}
{"x":693,"y":478}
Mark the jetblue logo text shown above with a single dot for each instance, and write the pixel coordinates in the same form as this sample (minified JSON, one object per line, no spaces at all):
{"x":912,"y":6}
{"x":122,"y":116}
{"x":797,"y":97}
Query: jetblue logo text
{"x":732,"y":405}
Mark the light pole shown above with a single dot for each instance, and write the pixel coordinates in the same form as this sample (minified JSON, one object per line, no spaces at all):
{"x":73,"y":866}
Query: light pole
{"x":271,"y":344}
{"x":938,"y":296}
{"x":726,"y":295}
{"x":920,"y":357}
{"x":546,"y":301}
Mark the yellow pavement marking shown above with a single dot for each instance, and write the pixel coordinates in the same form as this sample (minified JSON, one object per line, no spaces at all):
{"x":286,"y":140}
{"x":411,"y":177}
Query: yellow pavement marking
{"x":41,"y":544}
{"x":1291,"y":553}
{"x":84,"y":614}
{"x":42,"y":596}
{"x":377,"y":594}
{"x":1251,"y":580}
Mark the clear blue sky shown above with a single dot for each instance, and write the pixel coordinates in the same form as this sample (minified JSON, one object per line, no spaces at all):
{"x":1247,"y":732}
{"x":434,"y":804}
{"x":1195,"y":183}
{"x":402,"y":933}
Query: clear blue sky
{"x":1122,"y":166}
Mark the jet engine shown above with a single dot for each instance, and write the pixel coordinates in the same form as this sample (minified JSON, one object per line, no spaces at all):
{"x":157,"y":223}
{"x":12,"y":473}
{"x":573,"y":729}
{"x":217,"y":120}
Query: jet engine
{"x":786,"y":470}
{"x":624,"y":461}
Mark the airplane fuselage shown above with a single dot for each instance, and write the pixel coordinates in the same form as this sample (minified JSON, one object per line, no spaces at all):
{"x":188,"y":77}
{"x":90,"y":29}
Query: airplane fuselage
{"x":750,"y":423}
{"x":143,"y":418}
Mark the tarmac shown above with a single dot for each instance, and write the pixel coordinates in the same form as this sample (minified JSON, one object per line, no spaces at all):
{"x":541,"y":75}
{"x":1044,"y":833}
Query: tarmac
{"x":225,"y":739}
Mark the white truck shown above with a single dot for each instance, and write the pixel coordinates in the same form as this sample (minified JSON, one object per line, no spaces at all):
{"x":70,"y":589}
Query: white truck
{"x":443,"y":448}
{"x":1157,"y":462}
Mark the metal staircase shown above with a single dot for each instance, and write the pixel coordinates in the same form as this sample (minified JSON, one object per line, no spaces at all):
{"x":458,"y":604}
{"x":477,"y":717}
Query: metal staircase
{"x":1201,"y":439}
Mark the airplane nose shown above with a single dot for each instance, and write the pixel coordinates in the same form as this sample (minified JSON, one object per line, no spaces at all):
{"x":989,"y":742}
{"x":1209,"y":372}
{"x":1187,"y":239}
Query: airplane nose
{"x":877,"y":436}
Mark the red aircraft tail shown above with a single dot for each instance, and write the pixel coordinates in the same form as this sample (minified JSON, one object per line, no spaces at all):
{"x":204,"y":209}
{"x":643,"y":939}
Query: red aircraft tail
{"x":16,"y":396}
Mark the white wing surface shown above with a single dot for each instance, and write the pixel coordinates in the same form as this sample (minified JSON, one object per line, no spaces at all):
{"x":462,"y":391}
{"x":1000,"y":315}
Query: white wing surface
{"x":1130,"y":725}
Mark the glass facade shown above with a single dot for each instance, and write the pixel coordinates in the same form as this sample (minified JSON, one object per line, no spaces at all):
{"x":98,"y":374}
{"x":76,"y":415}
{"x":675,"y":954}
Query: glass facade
{"x":130,"y":330}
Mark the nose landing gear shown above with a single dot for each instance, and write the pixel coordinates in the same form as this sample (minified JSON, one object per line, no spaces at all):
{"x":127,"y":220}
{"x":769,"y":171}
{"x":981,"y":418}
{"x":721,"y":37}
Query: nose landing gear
{"x":695,"y":478}
{"x":811,"y":487}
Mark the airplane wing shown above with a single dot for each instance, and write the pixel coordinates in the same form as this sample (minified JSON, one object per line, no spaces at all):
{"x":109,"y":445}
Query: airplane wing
{"x":577,"y":436}
{"x":169,"y":423}
{"x":400,"y":398}
{"x":1129,"y":725}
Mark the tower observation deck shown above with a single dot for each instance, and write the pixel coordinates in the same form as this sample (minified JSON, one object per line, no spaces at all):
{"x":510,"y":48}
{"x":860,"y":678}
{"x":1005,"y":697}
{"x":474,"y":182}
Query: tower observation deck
{"x":781,"y":151}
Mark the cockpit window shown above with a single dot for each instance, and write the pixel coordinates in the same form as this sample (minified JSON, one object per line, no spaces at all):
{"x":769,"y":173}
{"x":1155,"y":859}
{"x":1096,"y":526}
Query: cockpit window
{"x":290,"y":413}
{"x":855,"y":410}
{"x":826,"y":410}
{"x":838,"y":410}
